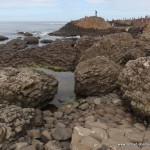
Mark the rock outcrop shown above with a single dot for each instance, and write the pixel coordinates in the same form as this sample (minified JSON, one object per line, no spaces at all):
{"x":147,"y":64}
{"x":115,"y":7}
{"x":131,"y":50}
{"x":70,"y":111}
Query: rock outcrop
{"x":31,"y":40}
{"x":28,"y":88}
{"x":135,"y":85}
{"x":3,"y":38}
{"x":13,"y":121}
{"x":112,"y":46}
{"x":25,"y":33}
{"x":96,"y":76}
{"x":16,"y":44}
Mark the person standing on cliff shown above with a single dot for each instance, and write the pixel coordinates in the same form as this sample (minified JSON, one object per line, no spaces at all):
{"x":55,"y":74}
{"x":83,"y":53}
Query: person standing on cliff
{"x":95,"y":13}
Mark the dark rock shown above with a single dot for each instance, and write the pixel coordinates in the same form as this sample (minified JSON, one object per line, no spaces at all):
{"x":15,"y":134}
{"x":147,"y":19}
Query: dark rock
{"x":96,"y":76}
{"x":25,"y":33}
{"x":134,"y":81}
{"x":3,"y":38}
{"x":31,"y":40}
{"x":45,"y":41}
{"x":28,"y":88}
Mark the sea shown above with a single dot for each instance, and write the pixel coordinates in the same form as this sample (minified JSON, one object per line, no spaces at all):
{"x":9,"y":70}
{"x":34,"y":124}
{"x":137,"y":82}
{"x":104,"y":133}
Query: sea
{"x":38,"y":29}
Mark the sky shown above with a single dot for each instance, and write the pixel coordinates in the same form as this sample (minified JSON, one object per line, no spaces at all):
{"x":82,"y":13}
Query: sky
{"x":67,"y":10}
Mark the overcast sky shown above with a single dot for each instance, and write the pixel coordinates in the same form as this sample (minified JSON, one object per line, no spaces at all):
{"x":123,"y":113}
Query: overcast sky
{"x":66,"y":10}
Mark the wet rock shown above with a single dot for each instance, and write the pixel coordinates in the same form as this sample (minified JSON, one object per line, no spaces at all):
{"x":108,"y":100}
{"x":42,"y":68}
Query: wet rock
{"x":135,"y":73}
{"x":31,"y":40}
{"x":96,"y":76}
{"x":61,"y":133}
{"x":3,"y":38}
{"x":28,"y":88}
{"x":25,"y":33}
{"x":45,"y":41}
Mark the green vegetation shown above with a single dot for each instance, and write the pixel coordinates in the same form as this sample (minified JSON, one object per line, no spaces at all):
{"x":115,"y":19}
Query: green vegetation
{"x":37,"y":65}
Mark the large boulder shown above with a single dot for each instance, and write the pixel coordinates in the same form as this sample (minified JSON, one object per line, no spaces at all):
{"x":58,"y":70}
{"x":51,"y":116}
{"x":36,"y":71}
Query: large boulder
{"x":135,"y":85}
{"x":3,"y":38}
{"x":96,"y":76}
{"x":28,"y":88}
{"x":14,"y":120}
{"x":112,"y":46}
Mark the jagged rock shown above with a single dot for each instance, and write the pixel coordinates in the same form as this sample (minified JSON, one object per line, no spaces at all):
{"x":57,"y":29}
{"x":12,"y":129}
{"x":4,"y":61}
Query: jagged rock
{"x":21,"y":145}
{"x":31,"y":40}
{"x":135,"y":85}
{"x":3,"y":38}
{"x":25,"y":33}
{"x":132,"y":54}
{"x":13,"y":118}
{"x":28,"y":88}
{"x":96,"y":76}
{"x":112,"y":46}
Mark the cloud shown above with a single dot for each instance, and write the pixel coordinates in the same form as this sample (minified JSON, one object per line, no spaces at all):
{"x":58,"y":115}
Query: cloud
{"x":27,"y":3}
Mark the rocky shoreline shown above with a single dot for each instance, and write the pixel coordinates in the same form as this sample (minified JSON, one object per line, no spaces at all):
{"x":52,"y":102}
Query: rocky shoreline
{"x":112,"y":74}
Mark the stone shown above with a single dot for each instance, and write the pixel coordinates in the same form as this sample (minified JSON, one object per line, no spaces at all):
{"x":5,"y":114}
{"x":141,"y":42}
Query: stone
{"x":34,"y":88}
{"x":99,"y":134}
{"x":97,"y":124}
{"x":25,"y":33}
{"x":140,"y":126}
{"x":47,"y":113}
{"x":46,"y":136}
{"x":20,"y":145}
{"x":58,"y":114}
{"x":3,"y":38}
{"x":135,"y":73}
{"x":61,"y":133}
{"x":81,"y":139}
{"x":49,"y":120}
{"x":134,"y":137}
{"x":96,"y":77}
{"x":115,"y":132}
{"x":39,"y":145}
{"x":53,"y":145}
{"x":97,"y":101}
{"x":45,"y":41}
{"x":84,"y":106}
{"x":31,"y":147}
{"x":34,"y":133}
{"x":31,"y":40}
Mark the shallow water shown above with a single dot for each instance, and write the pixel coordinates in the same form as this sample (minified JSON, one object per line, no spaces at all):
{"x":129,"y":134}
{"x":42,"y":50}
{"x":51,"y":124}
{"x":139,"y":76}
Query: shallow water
{"x":65,"y":87}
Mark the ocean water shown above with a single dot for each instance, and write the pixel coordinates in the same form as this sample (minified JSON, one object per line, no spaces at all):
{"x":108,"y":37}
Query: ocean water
{"x":38,"y":29}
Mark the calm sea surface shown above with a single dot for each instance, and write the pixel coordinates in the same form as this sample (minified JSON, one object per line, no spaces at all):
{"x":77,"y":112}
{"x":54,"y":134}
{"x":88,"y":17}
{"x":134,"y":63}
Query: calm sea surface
{"x":38,"y":29}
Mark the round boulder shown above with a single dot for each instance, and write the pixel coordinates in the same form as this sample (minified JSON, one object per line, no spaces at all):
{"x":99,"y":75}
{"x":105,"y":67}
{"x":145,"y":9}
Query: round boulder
{"x":28,"y":88}
{"x":135,"y":85}
{"x":96,"y":76}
